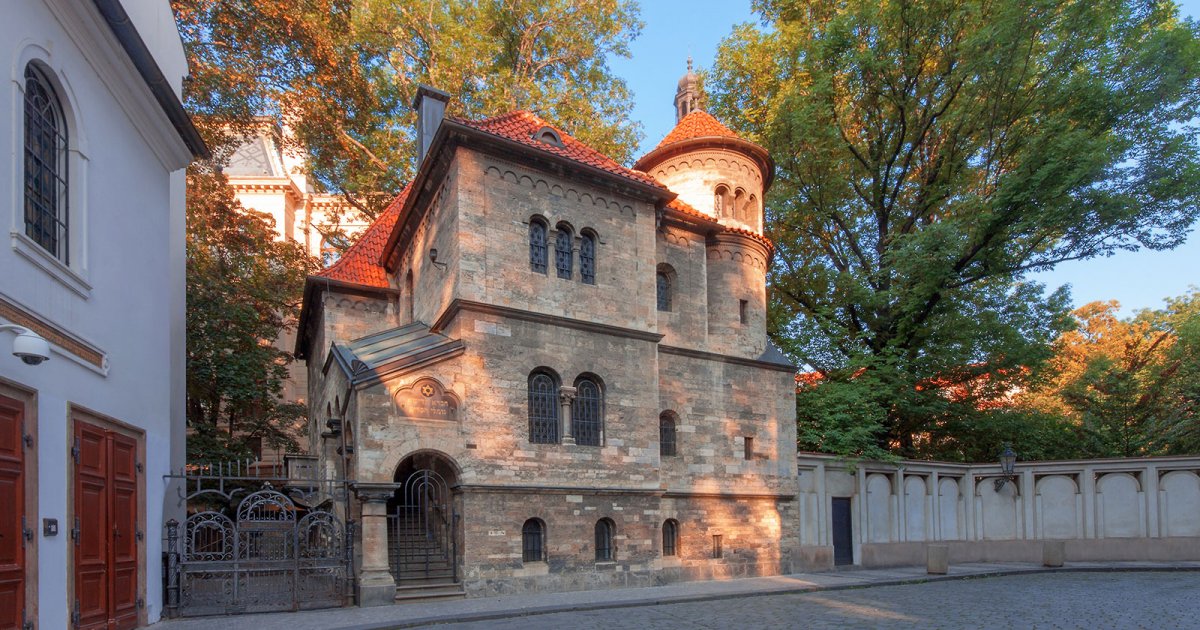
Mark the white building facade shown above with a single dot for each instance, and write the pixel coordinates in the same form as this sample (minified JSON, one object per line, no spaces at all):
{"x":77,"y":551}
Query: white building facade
{"x":94,"y":145}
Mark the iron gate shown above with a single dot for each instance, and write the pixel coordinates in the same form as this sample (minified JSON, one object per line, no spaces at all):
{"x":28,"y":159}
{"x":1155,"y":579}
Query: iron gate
{"x":422,"y":531}
{"x":272,"y":555}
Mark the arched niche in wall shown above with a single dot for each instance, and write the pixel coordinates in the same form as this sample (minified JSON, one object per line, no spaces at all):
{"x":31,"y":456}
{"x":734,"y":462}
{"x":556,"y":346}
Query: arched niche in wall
{"x":1058,"y":504}
{"x":1120,"y":512}
{"x":916,"y":494}
{"x":879,"y":508}
{"x":1179,"y":502}
{"x":949,"y":509}
{"x":998,"y":510}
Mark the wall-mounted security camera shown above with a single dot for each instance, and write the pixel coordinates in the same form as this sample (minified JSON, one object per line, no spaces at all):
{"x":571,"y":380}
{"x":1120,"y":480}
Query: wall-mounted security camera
{"x":29,"y":346}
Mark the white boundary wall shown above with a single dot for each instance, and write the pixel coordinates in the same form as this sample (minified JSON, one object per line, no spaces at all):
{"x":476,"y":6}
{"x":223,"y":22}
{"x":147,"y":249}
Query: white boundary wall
{"x":1102,"y":509}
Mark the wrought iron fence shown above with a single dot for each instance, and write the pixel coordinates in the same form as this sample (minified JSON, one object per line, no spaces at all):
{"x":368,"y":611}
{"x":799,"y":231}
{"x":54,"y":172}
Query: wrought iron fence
{"x":255,"y":544}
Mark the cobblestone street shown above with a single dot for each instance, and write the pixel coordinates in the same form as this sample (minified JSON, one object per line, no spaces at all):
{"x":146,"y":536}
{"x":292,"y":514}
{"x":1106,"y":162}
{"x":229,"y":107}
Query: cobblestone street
{"x":1158,"y":600}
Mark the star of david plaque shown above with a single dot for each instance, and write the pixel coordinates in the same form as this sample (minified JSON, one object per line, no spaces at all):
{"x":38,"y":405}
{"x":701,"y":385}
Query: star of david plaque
{"x":426,"y":399}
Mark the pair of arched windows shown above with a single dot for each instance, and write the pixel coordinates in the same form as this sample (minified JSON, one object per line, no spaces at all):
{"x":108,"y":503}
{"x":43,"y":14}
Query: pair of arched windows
{"x":736,"y":204}
{"x":587,"y":409}
{"x":564,"y":250}
{"x":46,"y":157}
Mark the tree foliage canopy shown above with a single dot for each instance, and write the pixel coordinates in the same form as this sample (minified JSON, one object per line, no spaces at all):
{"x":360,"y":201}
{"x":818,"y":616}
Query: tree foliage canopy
{"x":933,"y":153}
{"x":342,"y":73}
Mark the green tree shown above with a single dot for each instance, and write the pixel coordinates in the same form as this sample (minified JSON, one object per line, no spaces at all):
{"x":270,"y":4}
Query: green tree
{"x":1127,"y":387}
{"x":243,"y":288}
{"x":933,"y":153}
{"x":342,"y":74}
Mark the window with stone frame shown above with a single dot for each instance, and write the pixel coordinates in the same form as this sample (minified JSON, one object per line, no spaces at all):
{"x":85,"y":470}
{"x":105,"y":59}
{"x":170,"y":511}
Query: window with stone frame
{"x":46,"y":156}
{"x":543,"y":408}
{"x":564,"y":241}
{"x":666,"y":435}
{"x":664,"y":281}
{"x":537,"y":245}
{"x":533,"y":541}
{"x":670,"y":537}
{"x":587,"y":412}
{"x":604,"y":540}
{"x":587,"y":257}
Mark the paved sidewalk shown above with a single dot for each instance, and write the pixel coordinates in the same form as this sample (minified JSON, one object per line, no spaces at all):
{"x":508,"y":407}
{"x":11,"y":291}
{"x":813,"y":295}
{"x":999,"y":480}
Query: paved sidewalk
{"x":489,"y":608}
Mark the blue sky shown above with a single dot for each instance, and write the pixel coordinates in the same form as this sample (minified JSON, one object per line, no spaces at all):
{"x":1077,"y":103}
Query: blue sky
{"x":676,"y":28}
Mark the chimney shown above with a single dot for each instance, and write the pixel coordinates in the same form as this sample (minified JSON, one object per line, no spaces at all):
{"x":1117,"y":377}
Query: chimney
{"x":430,"y":104}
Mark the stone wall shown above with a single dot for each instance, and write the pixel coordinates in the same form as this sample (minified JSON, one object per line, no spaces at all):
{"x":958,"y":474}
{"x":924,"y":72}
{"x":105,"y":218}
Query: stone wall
{"x":1111,"y":509}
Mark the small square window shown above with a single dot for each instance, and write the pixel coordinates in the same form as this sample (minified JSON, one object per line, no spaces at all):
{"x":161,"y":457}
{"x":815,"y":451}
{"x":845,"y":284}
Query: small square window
{"x":749,"y":448}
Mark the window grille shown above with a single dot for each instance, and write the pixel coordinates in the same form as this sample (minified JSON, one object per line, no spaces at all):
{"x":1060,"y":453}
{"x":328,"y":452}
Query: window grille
{"x":664,"y":291}
{"x":543,"y":409}
{"x":604,"y":536}
{"x":562,"y":252}
{"x":45,"y":166}
{"x":666,"y":436}
{"x":587,"y":258}
{"x":532,"y":535}
{"x":670,"y":533}
{"x":587,"y":413}
{"x":537,"y":246}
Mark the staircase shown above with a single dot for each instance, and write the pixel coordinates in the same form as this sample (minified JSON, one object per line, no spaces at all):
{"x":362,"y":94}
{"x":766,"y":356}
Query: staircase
{"x":422,"y":567}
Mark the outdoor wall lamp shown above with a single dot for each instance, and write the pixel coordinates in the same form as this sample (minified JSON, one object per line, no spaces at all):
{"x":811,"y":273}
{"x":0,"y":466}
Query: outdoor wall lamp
{"x":433,"y":259}
{"x":29,"y":346}
{"x":1008,"y":465}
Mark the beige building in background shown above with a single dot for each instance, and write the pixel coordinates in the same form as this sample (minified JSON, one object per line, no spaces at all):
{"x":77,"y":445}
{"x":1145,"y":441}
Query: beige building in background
{"x":545,"y":371}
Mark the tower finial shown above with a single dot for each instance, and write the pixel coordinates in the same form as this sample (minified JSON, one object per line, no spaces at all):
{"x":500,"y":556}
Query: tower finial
{"x":687,"y":95}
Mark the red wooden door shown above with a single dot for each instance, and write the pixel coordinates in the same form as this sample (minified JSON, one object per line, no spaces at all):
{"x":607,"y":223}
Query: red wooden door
{"x":12,"y":498}
{"x":106,"y":549}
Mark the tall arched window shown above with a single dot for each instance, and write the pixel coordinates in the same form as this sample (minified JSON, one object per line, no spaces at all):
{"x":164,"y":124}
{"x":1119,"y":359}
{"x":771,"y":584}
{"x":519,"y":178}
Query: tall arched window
{"x":604,"y":538}
{"x":587,"y":412}
{"x":533,"y":537}
{"x":543,"y":408}
{"x":45,"y":166}
{"x":739,"y":205}
{"x":587,"y":257}
{"x":666,"y":435}
{"x":537,"y":245}
{"x":664,"y":280}
{"x":670,"y":531}
{"x":720,"y":198}
{"x":563,"y":255}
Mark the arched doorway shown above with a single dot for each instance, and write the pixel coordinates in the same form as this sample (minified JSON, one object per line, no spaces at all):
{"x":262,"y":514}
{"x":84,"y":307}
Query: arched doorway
{"x":423,"y":521}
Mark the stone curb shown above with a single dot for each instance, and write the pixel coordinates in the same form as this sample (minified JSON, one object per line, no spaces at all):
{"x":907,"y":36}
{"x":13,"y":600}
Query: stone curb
{"x":683,"y":599}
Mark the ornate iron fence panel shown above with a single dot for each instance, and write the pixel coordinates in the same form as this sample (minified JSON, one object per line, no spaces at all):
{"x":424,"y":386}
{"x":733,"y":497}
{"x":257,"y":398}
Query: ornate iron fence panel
{"x":273,"y":555}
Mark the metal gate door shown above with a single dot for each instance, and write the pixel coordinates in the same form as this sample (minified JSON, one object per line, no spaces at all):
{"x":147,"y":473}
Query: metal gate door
{"x":422,"y":531}
{"x":266,"y":560}
{"x":843,"y":532}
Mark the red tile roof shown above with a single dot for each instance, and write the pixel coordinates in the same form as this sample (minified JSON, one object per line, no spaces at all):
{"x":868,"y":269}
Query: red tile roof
{"x":698,"y":124}
{"x":687,"y":208}
{"x":360,"y":263}
{"x":520,"y":126}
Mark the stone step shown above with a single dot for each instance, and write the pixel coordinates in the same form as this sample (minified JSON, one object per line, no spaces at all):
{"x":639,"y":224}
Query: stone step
{"x":429,"y":592}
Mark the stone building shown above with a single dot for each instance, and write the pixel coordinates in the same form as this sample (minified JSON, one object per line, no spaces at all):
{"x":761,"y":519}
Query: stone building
{"x":546,"y":371}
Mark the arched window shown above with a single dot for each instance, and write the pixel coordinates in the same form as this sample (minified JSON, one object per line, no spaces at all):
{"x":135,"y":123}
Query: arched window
{"x":45,"y":166}
{"x":739,"y":205}
{"x":587,"y":257}
{"x":543,"y":408}
{"x":587,"y":412}
{"x":752,"y":211}
{"x":537,"y":245}
{"x":562,"y":251}
{"x":720,"y":198}
{"x":533,"y":536}
{"x":604,"y":538}
{"x":410,"y":300}
{"x":664,"y":282}
{"x":666,"y":435}
{"x":670,"y":531}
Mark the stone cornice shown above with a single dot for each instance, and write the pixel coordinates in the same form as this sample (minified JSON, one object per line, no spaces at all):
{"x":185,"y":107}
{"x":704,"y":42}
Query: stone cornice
{"x":541,"y":318}
{"x":730,"y":495}
{"x":724,"y":358}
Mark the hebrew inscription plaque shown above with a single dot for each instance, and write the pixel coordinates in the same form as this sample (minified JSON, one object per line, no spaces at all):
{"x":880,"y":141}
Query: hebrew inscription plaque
{"x":426,"y":399}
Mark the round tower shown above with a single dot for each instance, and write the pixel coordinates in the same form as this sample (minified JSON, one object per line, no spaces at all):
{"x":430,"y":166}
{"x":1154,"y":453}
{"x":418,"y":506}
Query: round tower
{"x":723,"y":176}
